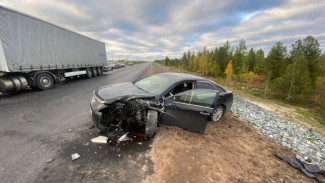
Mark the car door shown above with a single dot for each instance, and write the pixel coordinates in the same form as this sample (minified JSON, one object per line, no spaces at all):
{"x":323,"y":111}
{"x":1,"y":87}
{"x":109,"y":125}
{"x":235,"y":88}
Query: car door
{"x":190,"y":109}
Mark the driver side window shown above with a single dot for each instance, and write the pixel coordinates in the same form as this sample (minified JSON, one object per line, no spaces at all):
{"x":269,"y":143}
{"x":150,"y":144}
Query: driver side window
{"x":196,"y":97}
{"x":182,"y":87}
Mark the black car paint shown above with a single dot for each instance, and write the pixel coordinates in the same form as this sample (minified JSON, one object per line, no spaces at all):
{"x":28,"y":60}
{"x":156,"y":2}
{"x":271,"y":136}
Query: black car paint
{"x":128,"y":91}
{"x":122,"y":91}
{"x":188,"y":116}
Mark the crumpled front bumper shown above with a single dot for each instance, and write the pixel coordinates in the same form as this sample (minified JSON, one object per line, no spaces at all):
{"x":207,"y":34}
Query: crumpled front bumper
{"x":96,"y":116}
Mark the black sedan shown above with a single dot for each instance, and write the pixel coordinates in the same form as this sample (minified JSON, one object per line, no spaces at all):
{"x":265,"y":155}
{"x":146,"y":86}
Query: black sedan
{"x":163,"y":99}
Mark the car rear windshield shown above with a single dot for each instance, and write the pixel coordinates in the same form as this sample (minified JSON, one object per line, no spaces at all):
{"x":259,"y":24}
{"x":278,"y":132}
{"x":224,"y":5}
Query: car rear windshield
{"x":155,"y":84}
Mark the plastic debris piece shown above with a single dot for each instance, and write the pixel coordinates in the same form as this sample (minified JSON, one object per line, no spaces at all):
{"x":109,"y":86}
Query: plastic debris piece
{"x":123,"y":138}
{"x":75,"y":156}
{"x":100,"y":140}
{"x":49,"y":160}
{"x":307,"y":169}
{"x":86,"y":144}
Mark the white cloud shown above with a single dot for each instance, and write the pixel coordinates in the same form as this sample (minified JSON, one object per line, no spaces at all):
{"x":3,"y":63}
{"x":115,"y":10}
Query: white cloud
{"x":155,"y":29}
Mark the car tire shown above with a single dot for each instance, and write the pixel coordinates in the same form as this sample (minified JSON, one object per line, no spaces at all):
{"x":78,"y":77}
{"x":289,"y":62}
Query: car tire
{"x":99,"y":71}
{"x":89,"y":73}
{"x":94,"y":71}
{"x":217,"y":114}
{"x":151,"y":125}
{"x":44,"y":81}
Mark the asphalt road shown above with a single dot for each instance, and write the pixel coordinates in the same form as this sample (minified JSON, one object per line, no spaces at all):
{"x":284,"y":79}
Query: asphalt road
{"x":39,"y":126}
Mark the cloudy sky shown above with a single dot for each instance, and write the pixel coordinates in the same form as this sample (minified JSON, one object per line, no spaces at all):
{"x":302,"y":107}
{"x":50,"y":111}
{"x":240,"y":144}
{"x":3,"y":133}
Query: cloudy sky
{"x":153,"y":29}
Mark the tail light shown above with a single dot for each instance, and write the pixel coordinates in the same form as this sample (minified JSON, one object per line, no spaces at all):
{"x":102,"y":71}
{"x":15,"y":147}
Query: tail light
{"x":233,"y":94}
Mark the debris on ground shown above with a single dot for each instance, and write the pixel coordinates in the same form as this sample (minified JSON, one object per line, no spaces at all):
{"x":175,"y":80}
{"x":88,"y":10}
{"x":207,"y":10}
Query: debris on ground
{"x":307,"y":168}
{"x":49,"y":160}
{"x":124,"y":138}
{"x":100,"y":140}
{"x":75,"y":156}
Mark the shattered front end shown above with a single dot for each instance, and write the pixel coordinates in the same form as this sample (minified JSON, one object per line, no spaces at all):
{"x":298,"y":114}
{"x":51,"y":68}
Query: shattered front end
{"x":120,"y":116}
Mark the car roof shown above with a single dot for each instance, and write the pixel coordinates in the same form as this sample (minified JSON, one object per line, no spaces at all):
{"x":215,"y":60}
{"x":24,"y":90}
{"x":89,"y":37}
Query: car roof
{"x":180,"y":76}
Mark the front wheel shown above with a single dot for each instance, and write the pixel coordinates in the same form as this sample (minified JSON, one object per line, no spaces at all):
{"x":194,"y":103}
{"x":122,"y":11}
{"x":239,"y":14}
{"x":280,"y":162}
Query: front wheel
{"x":151,"y":125}
{"x":218,"y":112}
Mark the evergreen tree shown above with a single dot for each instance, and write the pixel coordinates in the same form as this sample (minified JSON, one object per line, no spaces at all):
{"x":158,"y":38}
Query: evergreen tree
{"x":223,"y":56}
{"x":260,"y":62}
{"x":295,"y":80}
{"x":251,"y":60}
{"x":322,"y":65}
{"x":276,"y":60}
{"x":239,"y":56}
{"x":312,"y":52}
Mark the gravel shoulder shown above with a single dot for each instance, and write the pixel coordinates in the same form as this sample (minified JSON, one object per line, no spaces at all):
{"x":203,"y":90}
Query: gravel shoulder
{"x":287,"y":133}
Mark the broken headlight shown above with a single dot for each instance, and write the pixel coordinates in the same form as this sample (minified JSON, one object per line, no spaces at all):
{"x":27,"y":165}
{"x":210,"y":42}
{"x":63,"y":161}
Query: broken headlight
{"x":96,"y":104}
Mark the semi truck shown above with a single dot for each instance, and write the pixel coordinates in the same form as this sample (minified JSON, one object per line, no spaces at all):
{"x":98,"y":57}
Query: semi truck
{"x":37,"y":54}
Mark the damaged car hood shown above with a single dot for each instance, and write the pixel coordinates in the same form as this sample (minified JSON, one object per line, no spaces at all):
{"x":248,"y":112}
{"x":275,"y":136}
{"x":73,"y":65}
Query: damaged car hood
{"x":123,"y":91}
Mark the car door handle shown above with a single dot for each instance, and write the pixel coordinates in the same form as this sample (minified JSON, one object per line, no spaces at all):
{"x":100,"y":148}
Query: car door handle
{"x":205,"y":113}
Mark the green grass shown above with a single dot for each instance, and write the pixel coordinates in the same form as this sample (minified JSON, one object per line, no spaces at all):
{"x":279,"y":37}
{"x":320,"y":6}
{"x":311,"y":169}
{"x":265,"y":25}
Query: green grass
{"x":322,"y":122}
{"x":312,"y":140}
{"x":305,"y":113}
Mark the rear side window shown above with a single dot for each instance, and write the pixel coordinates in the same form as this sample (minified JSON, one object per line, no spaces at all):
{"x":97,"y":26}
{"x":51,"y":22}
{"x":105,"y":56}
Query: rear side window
{"x":196,"y":97}
{"x":205,"y":85}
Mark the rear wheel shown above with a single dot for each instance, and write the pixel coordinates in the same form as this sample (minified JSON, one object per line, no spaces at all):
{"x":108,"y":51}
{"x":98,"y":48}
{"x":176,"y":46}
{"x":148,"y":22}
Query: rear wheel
{"x":89,"y":72}
{"x":99,"y":71}
{"x":218,"y":112}
{"x":94,"y":71}
{"x":44,"y":81}
{"x":151,"y":125}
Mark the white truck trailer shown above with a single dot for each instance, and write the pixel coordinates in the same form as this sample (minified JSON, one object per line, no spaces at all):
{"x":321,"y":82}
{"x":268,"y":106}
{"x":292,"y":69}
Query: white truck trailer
{"x":37,"y":54}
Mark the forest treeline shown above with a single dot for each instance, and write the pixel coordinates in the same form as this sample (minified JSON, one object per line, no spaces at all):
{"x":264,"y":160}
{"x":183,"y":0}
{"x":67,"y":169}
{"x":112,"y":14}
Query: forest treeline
{"x":285,"y":72}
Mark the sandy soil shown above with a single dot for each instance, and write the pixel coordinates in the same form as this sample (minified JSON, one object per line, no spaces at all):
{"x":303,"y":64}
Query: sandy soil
{"x":229,"y":151}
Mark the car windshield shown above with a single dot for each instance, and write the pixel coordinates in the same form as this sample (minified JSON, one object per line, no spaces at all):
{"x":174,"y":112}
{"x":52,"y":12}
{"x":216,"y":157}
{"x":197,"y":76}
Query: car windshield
{"x":155,"y":84}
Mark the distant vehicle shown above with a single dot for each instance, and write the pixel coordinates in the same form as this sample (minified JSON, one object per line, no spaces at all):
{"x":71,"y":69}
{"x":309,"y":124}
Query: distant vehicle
{"x":38,"y":54}
{"x":117,"y":65}
{"x":122,"y":65}
{"x":130,"y":64}
{"x":108,"y":67}
{"x":167,"y":99}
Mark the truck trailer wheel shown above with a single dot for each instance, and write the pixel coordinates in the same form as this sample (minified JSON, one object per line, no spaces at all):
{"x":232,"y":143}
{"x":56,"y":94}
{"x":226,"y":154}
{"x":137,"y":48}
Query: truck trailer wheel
{"x":89,"y":72}
{"x":44,"y":81}
{"x":99,"y":71}
{"x":94,"y":71}
{"x":151,"y":126}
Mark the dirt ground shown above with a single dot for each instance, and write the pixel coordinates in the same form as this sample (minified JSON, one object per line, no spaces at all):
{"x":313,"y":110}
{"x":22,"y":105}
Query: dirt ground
{"x":229,"y":151}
